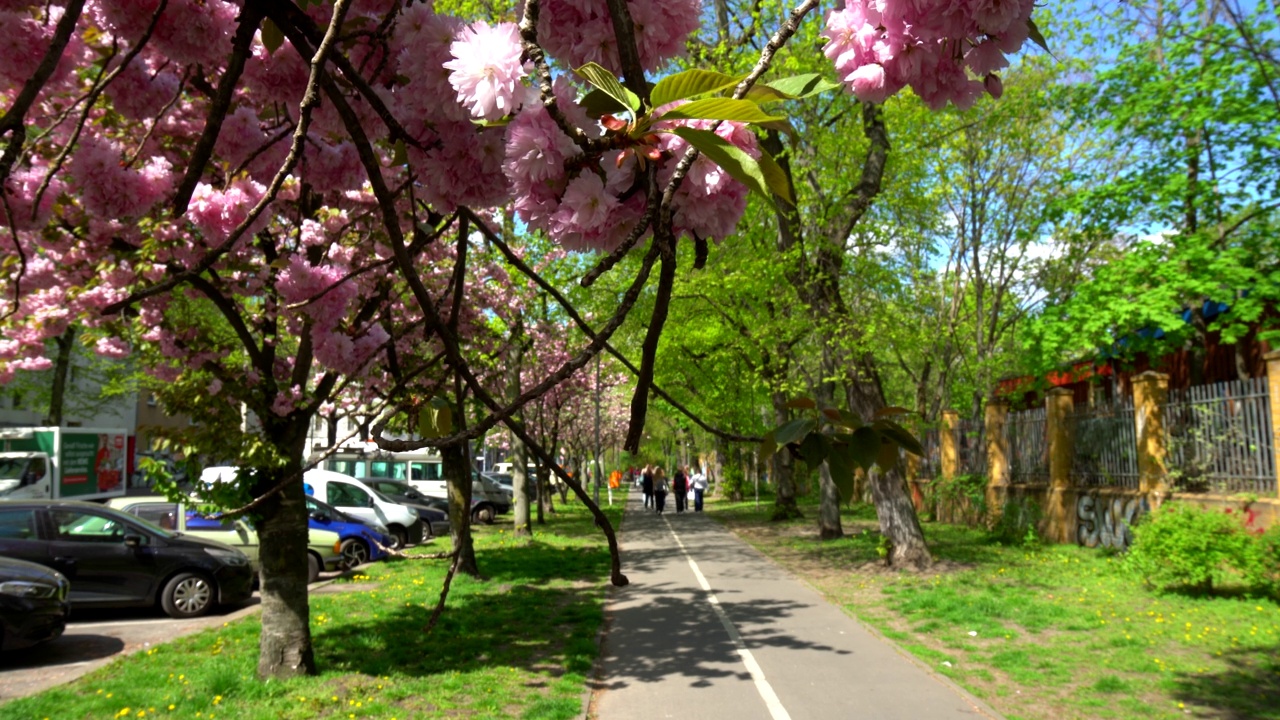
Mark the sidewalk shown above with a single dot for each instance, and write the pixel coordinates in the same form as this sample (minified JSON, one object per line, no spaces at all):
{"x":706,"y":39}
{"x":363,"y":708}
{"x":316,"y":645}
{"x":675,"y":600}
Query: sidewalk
{"x":709,"y":628}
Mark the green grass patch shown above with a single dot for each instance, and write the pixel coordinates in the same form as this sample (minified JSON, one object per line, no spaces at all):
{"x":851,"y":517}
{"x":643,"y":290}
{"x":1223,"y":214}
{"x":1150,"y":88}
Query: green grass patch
{"x":518,"y":644}
{"x":1061,"y":631}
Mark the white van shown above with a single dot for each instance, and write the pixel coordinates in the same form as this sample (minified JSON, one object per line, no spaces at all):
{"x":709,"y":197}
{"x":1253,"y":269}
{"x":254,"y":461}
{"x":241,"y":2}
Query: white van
{"x":350,"y":496}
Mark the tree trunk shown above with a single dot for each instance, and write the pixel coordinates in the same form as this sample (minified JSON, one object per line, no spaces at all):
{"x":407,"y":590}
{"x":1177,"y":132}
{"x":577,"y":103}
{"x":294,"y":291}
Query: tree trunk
{"x":61,"y":369}
{"x":458,"y":472}
{"x":546,"y":501}
{"x":829,"y":527}
{"x":898,"y":521}
{"x":520,"y":484}
{"x":781,"y":471}
{"x":284,"y":647}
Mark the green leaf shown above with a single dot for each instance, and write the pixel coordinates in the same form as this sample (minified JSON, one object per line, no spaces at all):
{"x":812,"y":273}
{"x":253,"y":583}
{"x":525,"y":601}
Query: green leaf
{"x":768,"y":446}
{"x":891,"y":410}
{"x":435,"y":419}
{"x":774,"y":176}
{"x":272,"y":37}
{"x":400,"y":155}
{"x":802,"y":402}
{"x":1033,"y":32}
{"x":609,"y":83}
{"x":791,"y":88}
{"x":888,"y":455}
{"x":815,"y":448}
{"x":783,"y":126}
{"x":690,"y":83}
{"x":733,"y":159}
{"x":840,"y":463}
{"x":793,"y":431}
{"x":864,"y":447}
{"x":721,"y":109}
{"x":848,"y":419}
{"x":598,"y":103}
{"x":900,"y":435}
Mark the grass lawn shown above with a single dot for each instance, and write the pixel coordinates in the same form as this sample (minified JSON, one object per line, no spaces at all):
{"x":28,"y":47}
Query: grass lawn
{"x":1049,"y":633}
{"x":518,"y":645}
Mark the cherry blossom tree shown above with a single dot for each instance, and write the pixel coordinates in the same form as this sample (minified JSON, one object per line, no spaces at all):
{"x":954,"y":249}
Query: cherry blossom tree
{"x":270,"y":204}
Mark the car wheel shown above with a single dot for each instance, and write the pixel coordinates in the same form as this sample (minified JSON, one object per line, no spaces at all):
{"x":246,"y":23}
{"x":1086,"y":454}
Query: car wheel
{"x":400,"y":535}
{"x":187,"y":595}
{"x":482,"y":514}
{"x":355,"y":552}
{"x":313,"y":568}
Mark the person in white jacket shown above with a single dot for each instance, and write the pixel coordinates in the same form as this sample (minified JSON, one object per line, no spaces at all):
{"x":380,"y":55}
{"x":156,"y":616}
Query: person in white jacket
{"x":699,"y":483}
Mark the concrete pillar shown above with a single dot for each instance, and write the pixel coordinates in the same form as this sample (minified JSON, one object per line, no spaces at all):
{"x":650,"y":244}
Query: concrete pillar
{"x":1058,"y":406}
{"x":998,"y":470}
{"x":1273,"y":384}
{"x":913,"y":482}
{"x":947,"y":439}
{"x":1150,"y":393}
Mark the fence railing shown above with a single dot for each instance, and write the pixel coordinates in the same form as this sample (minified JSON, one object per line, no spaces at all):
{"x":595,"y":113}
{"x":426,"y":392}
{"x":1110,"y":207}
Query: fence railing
{"x":1104,"y":448}
{"x":1219,"y":438}
{"x":971,"y":447}
{"x":1028,"y":446}
{"x":930,"y":466}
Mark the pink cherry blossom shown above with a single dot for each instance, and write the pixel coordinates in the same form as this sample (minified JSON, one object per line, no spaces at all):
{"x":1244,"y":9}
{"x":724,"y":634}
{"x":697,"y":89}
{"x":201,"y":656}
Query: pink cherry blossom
{"x":486,"y":69}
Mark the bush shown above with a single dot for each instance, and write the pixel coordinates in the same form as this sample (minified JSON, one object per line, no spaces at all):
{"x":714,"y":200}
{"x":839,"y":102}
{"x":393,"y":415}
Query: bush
{"x":1182,"y":546}
{"x":1017,"y":524}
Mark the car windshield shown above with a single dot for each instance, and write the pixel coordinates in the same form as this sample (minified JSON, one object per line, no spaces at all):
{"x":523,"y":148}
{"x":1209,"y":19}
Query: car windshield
{"x":11,"y":468}
{"x":99,"y":525}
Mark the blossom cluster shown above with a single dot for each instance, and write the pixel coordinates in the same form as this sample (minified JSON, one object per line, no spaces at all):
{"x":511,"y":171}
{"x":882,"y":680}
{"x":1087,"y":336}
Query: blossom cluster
{"x":946,"y":54}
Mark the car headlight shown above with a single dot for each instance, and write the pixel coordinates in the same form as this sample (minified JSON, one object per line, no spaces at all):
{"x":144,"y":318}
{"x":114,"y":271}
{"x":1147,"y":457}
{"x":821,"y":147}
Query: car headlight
{"x":25,"y":589}
{"x":228,"y":556}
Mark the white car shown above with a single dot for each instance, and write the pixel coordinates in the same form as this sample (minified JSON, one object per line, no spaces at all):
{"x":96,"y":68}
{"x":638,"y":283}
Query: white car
{"x":351,"y":496}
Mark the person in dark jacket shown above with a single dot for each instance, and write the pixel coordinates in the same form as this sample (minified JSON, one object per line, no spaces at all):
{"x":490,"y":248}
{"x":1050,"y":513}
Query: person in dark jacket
{"x":680,"y":486}
{"x":661,"y":486}
{"x":646,"y":485}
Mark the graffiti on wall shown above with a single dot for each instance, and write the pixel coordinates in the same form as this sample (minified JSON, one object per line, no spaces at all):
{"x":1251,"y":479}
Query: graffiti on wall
{"x":1107,"y":521}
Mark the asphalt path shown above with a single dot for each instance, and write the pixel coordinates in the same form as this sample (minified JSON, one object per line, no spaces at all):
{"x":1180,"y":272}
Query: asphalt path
{"x":709,"y":628}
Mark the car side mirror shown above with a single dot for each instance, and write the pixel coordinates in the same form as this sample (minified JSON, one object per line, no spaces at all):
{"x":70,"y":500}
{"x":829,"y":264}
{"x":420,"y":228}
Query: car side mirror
{"x":135,"y":541}
{"x":320,"y":516}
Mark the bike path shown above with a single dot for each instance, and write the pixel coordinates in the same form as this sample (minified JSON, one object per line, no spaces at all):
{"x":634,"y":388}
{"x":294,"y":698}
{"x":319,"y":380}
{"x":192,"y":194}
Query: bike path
{"x":709,"y":628}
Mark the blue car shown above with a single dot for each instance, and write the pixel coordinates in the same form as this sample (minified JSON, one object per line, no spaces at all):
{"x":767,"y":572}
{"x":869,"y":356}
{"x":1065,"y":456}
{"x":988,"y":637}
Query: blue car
{"x":360,"y":542}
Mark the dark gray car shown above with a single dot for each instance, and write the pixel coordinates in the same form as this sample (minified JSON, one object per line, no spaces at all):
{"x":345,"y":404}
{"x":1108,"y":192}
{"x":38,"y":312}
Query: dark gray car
{"x":114,"y":559}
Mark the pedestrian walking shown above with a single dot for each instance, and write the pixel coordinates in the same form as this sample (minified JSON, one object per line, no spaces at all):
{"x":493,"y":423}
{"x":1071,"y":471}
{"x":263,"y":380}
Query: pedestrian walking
{"x":680,"y":486}
{"x":646,"y":486}
{"x":699,"y":482}
{"x":661,"y":486}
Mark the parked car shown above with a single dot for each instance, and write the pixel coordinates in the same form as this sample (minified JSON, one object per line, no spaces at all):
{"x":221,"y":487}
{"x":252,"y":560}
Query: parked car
{"x":480,"y":510}
{"x":482,"y":488}
{"x":113,"y":559}
{"x":33,"y":603}
{"x":350,"y":496}
{"x":324,"y":548}
{"x":361,"y":541}
{"x":435,"y":519}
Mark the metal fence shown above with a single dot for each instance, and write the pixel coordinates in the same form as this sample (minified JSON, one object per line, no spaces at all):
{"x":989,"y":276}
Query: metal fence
{"x":930,"y":466}
{"x":971,"y":447}
{"x":1028,"y":446}
{"x":1104,"y":448}
{"x":1219,"y":438}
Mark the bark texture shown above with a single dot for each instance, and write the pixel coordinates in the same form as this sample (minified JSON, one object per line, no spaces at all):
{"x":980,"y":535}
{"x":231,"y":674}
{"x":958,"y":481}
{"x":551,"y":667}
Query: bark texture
{"x":458,"y":471}
{"x":284,"y":648}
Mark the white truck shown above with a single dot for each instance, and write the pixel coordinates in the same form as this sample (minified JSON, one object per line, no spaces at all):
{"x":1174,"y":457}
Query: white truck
{"x":63,"y":463}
